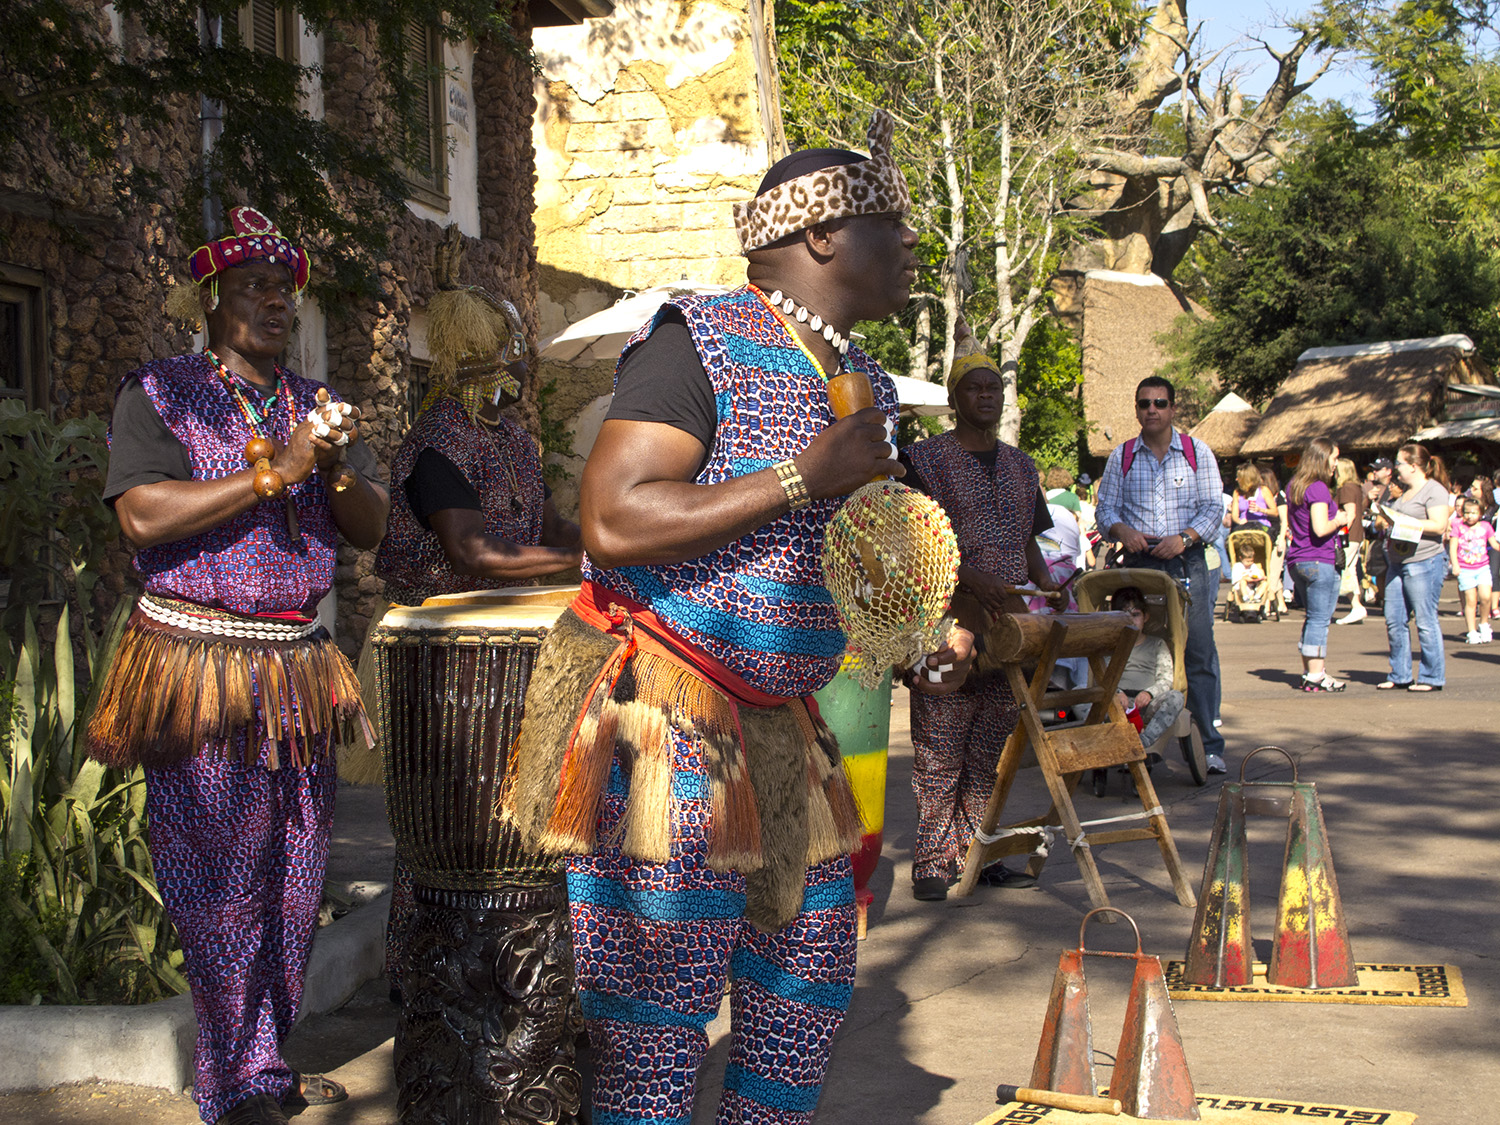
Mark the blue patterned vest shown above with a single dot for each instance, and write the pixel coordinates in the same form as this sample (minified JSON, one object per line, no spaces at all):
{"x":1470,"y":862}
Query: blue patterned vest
{"x":757,"y":604}
{"x":991,"y":513}
{"x":503,"y":467}
{"x":248,"y":564}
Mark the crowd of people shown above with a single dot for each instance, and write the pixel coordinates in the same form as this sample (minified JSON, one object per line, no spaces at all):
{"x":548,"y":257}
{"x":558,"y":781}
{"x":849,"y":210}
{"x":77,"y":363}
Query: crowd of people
{"x":1391,"y":538}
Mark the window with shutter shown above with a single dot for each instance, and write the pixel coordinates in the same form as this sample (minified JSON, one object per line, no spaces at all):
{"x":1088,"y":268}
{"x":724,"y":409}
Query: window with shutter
{"x":269,"y":27}
{"x":424,"y":60}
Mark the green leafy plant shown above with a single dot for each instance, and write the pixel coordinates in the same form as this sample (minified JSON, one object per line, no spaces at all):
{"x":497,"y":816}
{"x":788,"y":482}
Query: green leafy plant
{"x":54,"y":529}
{"x":80,"y":916}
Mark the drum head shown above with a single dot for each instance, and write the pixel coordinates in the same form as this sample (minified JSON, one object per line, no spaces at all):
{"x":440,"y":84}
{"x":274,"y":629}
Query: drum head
{"x":525,"y":608}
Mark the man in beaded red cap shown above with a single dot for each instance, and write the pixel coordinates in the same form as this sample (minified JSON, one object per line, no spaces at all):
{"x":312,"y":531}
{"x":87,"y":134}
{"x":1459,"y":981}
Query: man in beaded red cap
{"x":234,"y":479}
{"x":668,"y":746}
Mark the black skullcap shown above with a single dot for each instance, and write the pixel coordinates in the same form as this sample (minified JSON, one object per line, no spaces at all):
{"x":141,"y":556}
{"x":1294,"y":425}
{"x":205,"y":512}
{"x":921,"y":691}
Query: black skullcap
{"x":805,"y":161}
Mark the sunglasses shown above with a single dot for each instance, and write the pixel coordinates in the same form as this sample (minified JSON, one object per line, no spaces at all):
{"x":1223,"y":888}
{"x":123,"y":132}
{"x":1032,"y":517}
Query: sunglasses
{"x":1147,"y":403}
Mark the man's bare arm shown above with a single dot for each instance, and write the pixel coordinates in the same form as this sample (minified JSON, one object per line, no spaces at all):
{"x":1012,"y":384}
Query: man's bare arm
{"x":639,"y":505}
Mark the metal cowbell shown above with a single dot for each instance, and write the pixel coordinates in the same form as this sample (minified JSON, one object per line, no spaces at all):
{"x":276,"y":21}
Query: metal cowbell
{"x":1065,"y":1055}
{"x":1219,"y":951}
{"x":1151,"y":1078}
{"x":1311,"y":946}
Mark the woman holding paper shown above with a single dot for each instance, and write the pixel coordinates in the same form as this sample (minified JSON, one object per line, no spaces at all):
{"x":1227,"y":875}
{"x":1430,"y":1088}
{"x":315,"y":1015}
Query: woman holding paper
{"x":1416,"y":568}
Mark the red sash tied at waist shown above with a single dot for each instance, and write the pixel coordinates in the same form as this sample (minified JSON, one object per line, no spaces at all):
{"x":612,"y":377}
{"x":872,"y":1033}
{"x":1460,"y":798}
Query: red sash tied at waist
{"x":642,"y":630}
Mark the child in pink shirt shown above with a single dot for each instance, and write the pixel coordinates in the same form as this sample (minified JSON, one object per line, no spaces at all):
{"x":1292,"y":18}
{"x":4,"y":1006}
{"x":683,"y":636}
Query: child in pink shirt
{"x":1469,"y":539}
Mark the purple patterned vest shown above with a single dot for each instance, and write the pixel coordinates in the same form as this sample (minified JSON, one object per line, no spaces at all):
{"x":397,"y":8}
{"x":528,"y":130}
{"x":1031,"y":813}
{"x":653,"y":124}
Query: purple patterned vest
{"x":247,"y":565}
{"x":758,"y":604}
{"x":991,"y":513}
{"x":502,"y":465}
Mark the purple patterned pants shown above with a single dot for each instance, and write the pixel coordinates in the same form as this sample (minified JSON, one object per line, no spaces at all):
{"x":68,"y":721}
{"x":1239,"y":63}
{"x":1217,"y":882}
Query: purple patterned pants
{"x":240,"y":853}
{"x":655,"y":944}
{"x":956,"y":742}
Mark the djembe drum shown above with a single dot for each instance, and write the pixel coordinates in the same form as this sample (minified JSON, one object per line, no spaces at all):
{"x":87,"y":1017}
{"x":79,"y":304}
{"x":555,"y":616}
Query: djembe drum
{"x":485,"y":1033}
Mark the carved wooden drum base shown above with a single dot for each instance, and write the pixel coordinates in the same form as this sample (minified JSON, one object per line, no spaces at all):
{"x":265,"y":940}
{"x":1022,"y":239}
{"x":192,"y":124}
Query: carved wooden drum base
{"x":487,"y":1030}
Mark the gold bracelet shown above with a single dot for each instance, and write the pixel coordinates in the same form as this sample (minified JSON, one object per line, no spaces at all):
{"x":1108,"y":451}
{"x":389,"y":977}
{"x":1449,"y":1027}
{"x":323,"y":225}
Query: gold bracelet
{"x":792,"y":484}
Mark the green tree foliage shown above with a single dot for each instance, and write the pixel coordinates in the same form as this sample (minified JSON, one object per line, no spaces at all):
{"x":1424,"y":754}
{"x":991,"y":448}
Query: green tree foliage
{"x":1051,"y":368}
{"x":1355,"y":243}
{"x":78,"y":79}
{"x":992,"y":101}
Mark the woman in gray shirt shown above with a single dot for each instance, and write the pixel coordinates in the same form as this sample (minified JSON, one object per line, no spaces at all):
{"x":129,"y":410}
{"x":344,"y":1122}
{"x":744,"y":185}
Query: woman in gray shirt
{"x":1416,"y":568}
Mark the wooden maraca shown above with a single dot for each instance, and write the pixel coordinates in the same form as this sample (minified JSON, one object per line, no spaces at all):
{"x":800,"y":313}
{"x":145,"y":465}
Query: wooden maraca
{"x":850,"y":392}
{"x":268,"y":484}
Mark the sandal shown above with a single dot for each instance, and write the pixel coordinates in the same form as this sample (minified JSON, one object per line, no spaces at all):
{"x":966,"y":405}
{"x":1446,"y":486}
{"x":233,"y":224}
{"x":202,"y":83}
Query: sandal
{"x":1394,"y":685}
{"x":314,"y":1089}
{"x":1324,"y":682}
{"x":1424,"y":688}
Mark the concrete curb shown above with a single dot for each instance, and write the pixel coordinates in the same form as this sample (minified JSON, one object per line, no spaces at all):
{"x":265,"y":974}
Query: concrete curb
{"x":152,"y":1044}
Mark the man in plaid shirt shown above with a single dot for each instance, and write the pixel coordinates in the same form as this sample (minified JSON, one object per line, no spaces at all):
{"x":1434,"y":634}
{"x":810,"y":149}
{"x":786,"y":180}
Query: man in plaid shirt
{"x":1162,"y":498}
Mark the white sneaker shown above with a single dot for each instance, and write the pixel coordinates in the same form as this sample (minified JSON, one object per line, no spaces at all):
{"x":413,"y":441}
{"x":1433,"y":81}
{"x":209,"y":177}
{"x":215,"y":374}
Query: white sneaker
{"x":1356,"y":614}
{"x":1474,"y":638}
{"x":1485,"y":636}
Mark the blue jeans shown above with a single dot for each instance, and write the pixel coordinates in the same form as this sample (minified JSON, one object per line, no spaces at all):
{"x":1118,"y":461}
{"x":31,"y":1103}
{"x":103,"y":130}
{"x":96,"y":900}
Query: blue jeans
{"x":1317,"y":586}
{"x":1201,"y":655}
{"x":1414,"y":588}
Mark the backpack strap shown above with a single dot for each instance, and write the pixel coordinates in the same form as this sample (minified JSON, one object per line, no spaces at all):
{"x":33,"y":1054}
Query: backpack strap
{"x":1127,"y":454}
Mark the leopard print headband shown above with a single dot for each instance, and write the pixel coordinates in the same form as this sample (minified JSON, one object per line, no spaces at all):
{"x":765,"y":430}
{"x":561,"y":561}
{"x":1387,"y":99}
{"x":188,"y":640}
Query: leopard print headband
{"x":871,"y":187}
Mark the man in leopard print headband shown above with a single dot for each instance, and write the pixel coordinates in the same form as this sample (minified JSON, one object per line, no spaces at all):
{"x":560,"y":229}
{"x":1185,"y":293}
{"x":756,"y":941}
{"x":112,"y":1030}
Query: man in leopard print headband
{"x":818,"y":184}
{"x":669,"y":751}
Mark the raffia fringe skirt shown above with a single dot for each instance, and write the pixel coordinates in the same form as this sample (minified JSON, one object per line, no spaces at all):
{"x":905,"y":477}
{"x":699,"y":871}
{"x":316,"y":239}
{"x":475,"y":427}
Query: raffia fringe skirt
{"x":171,"y":693}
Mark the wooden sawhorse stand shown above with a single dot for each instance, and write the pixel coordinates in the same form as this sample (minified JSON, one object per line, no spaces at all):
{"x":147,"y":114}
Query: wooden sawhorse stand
{"x":1105,"y":739}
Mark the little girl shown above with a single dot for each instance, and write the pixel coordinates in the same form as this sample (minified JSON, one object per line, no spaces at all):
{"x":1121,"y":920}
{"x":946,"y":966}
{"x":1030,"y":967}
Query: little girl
{"x":1469,"y":540}
{"x":1247,"y":577}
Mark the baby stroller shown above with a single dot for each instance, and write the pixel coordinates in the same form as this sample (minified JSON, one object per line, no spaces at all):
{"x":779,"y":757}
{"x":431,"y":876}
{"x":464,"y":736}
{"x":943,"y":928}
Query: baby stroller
{"x":1166,"y":617}
{"x":1270,"y":558}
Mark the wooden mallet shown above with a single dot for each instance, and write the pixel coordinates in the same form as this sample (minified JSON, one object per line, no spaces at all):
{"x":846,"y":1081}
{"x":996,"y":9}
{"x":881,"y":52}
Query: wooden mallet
{"x":1077,"y":1103}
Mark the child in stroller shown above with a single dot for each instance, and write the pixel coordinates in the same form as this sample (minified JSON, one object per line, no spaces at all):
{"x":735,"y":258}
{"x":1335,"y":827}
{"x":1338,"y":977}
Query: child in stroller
{"x":1247,"y":576}
{"x":1254,"y":553}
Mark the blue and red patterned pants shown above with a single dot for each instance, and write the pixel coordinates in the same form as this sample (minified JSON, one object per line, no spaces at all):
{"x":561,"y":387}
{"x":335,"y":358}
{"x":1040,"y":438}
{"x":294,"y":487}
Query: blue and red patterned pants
{"x":956,"y":742}
{"x":654,"y":945}
{"x":239,"y":853}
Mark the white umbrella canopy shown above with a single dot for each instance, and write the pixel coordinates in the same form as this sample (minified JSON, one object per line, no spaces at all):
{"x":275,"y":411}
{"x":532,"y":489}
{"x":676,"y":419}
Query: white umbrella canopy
{"x":918,"y":396}
{"x":601,"y":335}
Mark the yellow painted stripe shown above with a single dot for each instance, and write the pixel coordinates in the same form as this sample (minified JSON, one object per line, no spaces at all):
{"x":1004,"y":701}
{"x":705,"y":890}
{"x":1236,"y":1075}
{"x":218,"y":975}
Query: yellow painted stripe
{"x":867,"y":779}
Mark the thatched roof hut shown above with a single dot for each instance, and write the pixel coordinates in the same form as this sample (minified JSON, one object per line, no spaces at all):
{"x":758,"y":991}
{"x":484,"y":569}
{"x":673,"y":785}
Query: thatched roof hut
{"x":1369,"y":398}
{"x":1225,"y":427}
{"x":1123,"y":314}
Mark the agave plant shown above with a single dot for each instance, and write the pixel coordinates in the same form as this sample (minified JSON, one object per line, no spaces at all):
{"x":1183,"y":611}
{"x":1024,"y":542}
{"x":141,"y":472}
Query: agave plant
{"x":77,"y":893}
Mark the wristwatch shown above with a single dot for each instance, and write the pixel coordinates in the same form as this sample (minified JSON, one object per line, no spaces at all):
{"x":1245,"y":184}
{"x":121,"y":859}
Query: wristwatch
{"x":1185,"y":532}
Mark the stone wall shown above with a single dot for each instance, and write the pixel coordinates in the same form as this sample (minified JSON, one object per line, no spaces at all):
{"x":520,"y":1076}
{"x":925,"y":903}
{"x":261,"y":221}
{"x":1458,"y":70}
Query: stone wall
{"x":369,"y":360}
{"x":106,"y":277}
{"x":649,"y":125}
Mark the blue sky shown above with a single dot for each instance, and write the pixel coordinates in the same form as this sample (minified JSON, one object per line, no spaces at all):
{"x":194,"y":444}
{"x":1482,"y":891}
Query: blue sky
{"x":1227,"y":21}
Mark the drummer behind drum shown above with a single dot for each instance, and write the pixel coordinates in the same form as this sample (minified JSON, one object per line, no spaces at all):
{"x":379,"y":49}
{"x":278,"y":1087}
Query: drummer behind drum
{"x":470,"y":511}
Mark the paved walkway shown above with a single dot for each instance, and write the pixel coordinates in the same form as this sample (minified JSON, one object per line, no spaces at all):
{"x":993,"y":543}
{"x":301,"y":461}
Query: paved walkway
{"x":951,"y":996}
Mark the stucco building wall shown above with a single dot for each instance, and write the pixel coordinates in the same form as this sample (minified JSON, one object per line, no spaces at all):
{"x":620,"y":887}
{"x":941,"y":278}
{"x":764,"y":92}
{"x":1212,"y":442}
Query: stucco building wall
{"x":649,"y":124}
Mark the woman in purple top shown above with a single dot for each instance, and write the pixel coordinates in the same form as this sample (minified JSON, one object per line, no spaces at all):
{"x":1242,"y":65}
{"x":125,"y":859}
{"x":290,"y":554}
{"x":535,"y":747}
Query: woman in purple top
{"x":1314,"y":521}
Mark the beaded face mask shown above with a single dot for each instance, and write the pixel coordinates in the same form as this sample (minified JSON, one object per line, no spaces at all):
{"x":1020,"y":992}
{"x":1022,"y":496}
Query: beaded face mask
{"x":890,"y":560}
